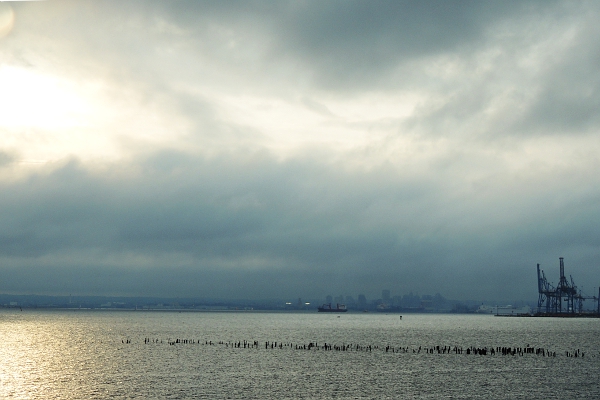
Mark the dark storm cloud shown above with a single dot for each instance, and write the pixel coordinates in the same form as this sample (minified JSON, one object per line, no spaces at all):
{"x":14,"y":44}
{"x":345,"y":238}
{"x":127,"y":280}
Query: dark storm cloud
{"x":356,"y":44}
{"x":343,"y":45}
{"x":233,"y":226}
{"x":532,"y":74}
{"x":351,"y":47}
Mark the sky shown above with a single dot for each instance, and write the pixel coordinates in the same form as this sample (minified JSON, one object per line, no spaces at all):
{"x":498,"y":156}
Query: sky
{"x":285,"y":149}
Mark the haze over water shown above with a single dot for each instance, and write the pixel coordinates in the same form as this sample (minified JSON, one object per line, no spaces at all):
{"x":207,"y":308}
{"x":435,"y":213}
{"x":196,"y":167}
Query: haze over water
{"x":96,"y":354}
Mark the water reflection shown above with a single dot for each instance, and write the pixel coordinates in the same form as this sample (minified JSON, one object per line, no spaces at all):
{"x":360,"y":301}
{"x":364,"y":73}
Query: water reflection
{"x":83,"y":354}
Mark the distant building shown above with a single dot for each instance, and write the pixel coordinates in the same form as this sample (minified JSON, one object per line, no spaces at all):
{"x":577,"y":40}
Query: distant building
{"x":427,"y":302}
{"x":385,"y":295}
{"x":350,"y":303}
{"x":362,"y":301}
{"x":504,"y":310}
{"x":411,"y":300}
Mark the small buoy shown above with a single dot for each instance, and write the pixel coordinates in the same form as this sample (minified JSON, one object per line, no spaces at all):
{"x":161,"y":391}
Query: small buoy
{"x":401,"y":317}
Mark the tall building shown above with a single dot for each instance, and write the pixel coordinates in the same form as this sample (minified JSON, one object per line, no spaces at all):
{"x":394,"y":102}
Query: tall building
{"x":385,"y":295}
{"x":362,"y":301}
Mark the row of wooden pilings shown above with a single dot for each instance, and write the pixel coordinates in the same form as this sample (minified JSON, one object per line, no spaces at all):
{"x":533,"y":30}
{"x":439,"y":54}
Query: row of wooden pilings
{"x":472,"y":350}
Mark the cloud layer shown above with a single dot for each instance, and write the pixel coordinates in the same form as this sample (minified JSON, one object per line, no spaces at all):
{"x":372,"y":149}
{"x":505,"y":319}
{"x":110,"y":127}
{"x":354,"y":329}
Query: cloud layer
{"x":291,"y":149}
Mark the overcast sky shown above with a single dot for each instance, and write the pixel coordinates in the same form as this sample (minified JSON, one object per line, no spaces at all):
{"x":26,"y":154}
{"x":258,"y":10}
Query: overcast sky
{"x":298,"y":149}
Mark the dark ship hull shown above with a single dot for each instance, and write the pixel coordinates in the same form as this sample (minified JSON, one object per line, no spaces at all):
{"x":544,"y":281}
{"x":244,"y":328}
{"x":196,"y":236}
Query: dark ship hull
{"x":327,"y":308}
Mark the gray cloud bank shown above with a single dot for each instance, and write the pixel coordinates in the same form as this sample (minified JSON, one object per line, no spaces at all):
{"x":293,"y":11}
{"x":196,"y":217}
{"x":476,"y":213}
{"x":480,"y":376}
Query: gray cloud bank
{"x":249,"y":225}
{"x":492,"y":172}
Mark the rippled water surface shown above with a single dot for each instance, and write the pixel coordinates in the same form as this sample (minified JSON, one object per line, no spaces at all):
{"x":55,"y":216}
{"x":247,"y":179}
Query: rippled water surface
{"x":105,"y":354}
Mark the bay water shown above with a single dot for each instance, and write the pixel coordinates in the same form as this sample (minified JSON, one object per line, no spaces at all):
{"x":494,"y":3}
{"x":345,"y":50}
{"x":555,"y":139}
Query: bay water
{"x":87,"y":354}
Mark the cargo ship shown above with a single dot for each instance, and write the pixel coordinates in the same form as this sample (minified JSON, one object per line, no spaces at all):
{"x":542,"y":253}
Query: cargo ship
{"x":504,"y":310}
{"x":328,"y":308}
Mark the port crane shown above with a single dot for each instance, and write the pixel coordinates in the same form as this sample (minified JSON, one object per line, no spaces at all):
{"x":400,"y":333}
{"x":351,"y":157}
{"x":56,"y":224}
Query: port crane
{"x":564,"y":298}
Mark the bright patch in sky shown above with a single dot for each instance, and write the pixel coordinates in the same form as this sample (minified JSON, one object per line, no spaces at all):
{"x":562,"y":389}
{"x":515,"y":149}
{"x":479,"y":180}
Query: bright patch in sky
{"x":7,"y":19}
{"x":47,"y":117}
{"x":32,"y":100}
